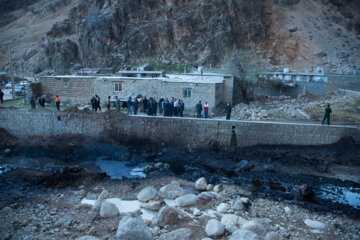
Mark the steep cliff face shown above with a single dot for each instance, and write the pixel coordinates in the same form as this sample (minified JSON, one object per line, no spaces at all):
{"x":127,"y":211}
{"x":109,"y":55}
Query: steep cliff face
{"x":112,"y":33}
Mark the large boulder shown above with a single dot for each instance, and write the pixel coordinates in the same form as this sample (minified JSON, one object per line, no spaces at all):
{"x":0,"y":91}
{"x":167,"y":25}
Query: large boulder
{"x":214,"y":228}
{"x":314,"y":224}
{"x":244,"y":235}
{"x":201,"y":184}
{"x":223,"y":207}
{"x":103,"y":195}
{"x":171,"y":190}
{"x":230,"y":221}
{"x":179,"y":234}
{"x":108,"y":210}
{"x":167,"y":216}
{"x":131,"y":228}
{"x":254,"y":227}
{"x":153,"y":205}
{"x":186,"y":200}
{"x":147,"y":194}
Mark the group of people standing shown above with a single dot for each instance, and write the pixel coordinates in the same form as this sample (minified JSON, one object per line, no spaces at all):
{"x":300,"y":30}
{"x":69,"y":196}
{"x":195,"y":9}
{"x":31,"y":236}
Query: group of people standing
{"x":41,"y":100}
{"x":199,"y":108}
{"x":95,"y":103}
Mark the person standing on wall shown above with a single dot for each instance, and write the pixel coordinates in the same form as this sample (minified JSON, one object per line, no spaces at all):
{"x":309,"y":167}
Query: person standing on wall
{"x":33,"y":102}
{"x":1,"y":96}
{"x":108,"y":103}
{"x":97,"y":103}
{"x":206,"y":110}
{"x":145,"y":102}
{"x":327,"y":114}
{"x":129,"y":105}
{"x":199,"y":109}
{"x":149,"y":107}
{"x":117,"y":103}
{"x":228,"y":111}
{"x":154,"y":107}
{"x":57,"y":102}
{"x":181,"y":108}
{"x":93,"y":103}
{"x":135,"y":106}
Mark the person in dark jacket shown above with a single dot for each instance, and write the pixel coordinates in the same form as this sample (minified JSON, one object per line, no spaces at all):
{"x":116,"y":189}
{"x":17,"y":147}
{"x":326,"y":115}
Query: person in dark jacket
{"x":149,"y":107}
{"x":1,"y":96}
{"x":199,"y":109}
{"x":129,"y":105}
{"x":161,"y":106}
{"x":42,"y":101}
{"x":327,"y":115}
{"x":166,"y":107}
{"x":93,"y":103}
{"x":145,"y":102}
{"x":181,"y":108}
{"x":108,"y":103}
{"x":154,"y":107}
{"x":33,"y":102}
{"x":171,"y":107}
{"x":97,"y":103}
{"x":135,"y":106}
{"x":228,"y":111}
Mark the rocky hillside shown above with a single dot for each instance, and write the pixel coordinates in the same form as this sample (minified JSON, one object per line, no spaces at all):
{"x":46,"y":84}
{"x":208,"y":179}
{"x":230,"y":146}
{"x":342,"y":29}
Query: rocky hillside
{"x":62,"y":35}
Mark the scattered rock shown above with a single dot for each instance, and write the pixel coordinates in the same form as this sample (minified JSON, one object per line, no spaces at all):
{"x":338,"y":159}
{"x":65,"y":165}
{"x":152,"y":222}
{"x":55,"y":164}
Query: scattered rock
{"x":201,"y":184}
{"x":209,"y":187}
{"x":171,"y":191}
{"x":254,"y":227}
{"x":214,"y":228}
{"x":205,"y":196}
{"x":244,"y":235}
{"x":167,"y":216}
{"x":153,"y":205}
{"x":314,"y":224}
{"x":131,"y":228}
{"x":108,"y":210}
{"x":230,"y":222}
{"x":238,"y":205}
{"x":186,"y":200}
{"x":287,"y":210}
{"x":179,"y":234}
{"x":292,"y":29}
{"x":103,"y":195}
{"x":272,"y":236}
{"x":147,"y":194}
{"x":223,"y":207}
{"x":218,"y":188}
{"x":6,"y":211}
{"x":196,"y":212}
{"x":148,"y":168}
{"x":87,"y":238}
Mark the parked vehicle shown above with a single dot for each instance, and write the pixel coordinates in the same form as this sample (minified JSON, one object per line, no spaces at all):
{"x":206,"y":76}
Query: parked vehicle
{"x":19,"y":91}
{"x":8,"y":85}
{"x":24,"y":83}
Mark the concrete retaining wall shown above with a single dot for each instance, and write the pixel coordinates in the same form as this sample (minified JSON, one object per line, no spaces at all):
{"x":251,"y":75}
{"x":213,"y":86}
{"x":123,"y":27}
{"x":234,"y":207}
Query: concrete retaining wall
{"x":184,"y":131}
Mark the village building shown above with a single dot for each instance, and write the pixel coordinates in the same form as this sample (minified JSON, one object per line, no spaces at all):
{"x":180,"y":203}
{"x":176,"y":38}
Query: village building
{"x":216,"y":89}
{"x":294,"y":83}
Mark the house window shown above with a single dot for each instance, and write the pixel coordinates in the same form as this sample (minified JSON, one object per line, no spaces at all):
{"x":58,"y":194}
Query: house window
{"x":187,"y":92}
{"x":304,"y":78}
{"x":118,"y":86}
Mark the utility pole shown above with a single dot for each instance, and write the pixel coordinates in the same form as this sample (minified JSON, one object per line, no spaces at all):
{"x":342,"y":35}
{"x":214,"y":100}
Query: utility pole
{"x":11,"y":75}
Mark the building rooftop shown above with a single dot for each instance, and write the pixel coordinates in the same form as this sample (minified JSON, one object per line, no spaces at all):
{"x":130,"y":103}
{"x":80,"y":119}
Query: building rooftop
{"x":295,"y":73}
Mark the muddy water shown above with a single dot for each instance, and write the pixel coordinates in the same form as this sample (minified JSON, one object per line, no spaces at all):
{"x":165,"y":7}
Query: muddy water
{"x":121,"y":162}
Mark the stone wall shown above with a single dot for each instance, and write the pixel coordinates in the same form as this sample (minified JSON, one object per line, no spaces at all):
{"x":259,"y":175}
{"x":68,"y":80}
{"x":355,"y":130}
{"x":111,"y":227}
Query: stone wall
{"x":349,"y":82}
{"x":184,"y":131}
{"x":265,"y":88}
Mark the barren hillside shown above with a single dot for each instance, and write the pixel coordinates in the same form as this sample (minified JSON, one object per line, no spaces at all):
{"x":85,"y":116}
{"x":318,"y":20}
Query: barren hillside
{"x":63,"y":35}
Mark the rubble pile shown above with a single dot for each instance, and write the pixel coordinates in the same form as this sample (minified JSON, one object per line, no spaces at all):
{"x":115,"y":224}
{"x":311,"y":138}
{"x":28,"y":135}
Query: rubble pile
{"x":285,"y":107}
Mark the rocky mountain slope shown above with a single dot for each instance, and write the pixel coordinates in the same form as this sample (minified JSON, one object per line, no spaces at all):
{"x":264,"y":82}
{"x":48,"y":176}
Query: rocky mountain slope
{"x":63,"y":35}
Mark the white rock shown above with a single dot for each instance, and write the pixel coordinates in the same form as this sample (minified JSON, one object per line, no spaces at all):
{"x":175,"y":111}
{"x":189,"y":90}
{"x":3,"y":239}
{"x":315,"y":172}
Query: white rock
{"x":223,"y":207}
{"x":242,"y":221}
{"x":152,"y":205}
{"x":244,"y":235}
{"x":254,"y":227}
{"x":201,"y":184}
{"x":171,"y":191}
{"x":133,"y":228}
{"x":238,"y":205}
{"x":218,"y":188}
{"x":147,"y":194}
{"x":196,"y":212}
{"x":103,"y":195}
{"x":205,"y":196}
{"x":230,"y":222}
{"x":108,"y":210}
{"x":179,"y":234}
{"x":167,"y":215}
{"x":287,"y":210}
{"x":314,"y":224}
{"x":272,"y":236}
{"x":206,"y":239}
{"x":209,"y":187}
{"x":186,"y":200}
{"x":87,"y":238}
{"x":214,"y":228}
